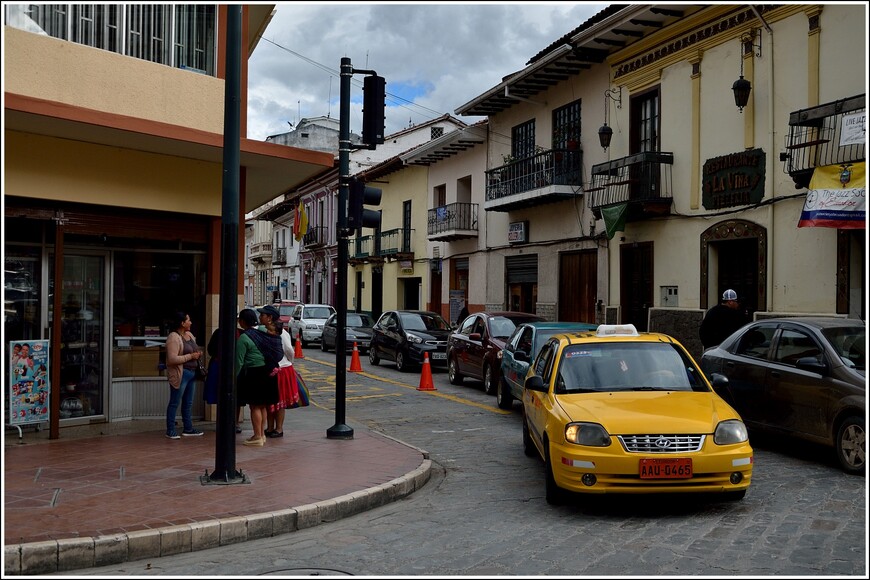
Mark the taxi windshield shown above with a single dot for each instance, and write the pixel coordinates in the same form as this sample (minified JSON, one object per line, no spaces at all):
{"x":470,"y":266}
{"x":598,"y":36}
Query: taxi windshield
{"x":626,"y":366}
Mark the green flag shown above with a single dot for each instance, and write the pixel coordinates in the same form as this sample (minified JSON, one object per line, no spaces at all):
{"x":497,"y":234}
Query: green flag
{"x":614,"y":219}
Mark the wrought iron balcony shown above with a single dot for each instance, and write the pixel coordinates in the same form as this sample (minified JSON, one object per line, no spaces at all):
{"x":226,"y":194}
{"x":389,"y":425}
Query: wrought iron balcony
{"x":359,"y":249}
{"x":819,"y":136}
{"x":397,"y":244}
{"x":545,"y":177}
{"x":642,"y":180}
{"x":279,"y":257}
{"x":315,"y":237}
{"x":453,"y":221}
{"x":261,"y":251}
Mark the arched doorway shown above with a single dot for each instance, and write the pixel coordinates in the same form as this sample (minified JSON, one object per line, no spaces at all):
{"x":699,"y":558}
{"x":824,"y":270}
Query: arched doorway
{"x":734,"y":255}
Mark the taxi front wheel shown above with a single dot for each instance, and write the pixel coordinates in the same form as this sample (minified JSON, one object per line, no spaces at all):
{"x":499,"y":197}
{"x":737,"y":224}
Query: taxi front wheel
{"x":555,"y":494}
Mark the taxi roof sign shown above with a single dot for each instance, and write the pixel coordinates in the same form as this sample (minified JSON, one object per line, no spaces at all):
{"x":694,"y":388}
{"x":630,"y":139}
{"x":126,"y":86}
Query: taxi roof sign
{"x":605,"y":330}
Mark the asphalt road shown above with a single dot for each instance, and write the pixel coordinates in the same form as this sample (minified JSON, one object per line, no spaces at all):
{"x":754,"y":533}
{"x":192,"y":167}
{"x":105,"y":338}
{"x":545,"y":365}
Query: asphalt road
{"x":483,"y":512}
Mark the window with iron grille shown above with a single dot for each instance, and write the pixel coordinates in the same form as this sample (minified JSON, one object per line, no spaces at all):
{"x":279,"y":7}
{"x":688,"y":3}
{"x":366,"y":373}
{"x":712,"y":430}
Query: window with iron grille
{"x":182,"y":36}
{"x":436,"y":132}
{"x":523,"y":140}
{"x":566,"y":125}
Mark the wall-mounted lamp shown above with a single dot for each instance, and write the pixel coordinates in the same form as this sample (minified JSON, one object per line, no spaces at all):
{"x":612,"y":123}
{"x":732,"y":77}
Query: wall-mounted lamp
{"x":605,"y":132}
{"x":741,"y":86}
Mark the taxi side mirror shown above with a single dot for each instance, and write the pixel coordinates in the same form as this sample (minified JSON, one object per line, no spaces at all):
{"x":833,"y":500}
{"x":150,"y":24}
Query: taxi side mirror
{"x":536,"y":383}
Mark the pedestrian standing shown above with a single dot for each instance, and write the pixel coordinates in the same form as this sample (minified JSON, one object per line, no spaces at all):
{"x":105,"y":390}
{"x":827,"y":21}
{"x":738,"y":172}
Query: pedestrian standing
{"x":257,"y":358}
{"x":182,"y":353}
{"x":722,"y":320}
{"x":270,"y":319}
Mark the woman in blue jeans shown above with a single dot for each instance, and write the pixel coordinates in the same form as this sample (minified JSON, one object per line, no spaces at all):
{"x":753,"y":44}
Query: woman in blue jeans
{"x":182,"y":353}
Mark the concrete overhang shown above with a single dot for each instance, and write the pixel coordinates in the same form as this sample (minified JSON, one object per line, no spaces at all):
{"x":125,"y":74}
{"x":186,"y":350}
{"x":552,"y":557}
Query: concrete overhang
{"x":270,"y":169}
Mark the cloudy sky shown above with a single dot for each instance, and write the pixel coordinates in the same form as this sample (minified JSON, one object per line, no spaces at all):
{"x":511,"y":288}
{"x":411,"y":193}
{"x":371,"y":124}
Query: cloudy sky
{"x":435,"y":57}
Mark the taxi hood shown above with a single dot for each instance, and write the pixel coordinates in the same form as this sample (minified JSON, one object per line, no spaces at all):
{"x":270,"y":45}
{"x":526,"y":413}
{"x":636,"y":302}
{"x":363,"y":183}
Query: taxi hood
{"x":634,"y":412}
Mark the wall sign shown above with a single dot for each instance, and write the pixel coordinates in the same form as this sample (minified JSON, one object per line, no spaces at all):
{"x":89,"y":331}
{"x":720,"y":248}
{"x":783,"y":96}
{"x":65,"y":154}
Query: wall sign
{"x":734,"y":179}
{"x":518,"y":232}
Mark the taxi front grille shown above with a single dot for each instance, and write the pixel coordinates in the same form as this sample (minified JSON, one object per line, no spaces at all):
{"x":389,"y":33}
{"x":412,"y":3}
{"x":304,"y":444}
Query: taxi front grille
{"x":661,"y":443}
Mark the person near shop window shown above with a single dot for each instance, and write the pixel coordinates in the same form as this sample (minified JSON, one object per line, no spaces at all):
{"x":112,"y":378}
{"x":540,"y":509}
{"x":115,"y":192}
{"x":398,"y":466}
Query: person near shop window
{"x":182,"y":353}
{"x":258,"y":354}
{"x":270,"y":320}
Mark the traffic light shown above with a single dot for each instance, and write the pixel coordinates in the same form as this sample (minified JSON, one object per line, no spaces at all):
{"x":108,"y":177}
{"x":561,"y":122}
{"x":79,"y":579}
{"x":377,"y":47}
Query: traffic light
{"x":374,"y":95}
{"x":359,"y":217}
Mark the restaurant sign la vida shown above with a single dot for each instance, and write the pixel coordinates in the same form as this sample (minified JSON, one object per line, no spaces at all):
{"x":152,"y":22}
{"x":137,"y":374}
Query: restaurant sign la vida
{"x":733,"y":179}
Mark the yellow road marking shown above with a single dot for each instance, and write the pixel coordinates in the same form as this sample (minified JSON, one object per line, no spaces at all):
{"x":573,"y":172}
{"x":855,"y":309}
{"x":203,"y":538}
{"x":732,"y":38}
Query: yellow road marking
{"x":453,"y":398}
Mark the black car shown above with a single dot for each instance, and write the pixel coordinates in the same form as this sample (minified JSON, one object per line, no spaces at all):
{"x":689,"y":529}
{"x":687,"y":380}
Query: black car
{"x":358,"y":330}
{"x":405,"y":336}
{"x":803,"y":377}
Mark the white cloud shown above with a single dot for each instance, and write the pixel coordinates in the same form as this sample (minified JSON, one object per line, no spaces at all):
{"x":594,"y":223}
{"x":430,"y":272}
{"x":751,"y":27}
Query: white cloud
{"x":447,"y":53}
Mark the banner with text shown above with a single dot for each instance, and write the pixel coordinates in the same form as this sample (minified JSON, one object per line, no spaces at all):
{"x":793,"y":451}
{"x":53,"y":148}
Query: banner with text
{"x":836,"y":198}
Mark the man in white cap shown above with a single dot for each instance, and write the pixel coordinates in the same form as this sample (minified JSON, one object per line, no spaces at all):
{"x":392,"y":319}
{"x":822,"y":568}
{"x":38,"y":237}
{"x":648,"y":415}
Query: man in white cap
{"x":722,"y":320}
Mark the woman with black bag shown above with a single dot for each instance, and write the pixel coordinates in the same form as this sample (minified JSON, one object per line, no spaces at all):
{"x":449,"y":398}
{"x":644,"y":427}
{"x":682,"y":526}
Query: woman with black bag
{"x":257,"y":356}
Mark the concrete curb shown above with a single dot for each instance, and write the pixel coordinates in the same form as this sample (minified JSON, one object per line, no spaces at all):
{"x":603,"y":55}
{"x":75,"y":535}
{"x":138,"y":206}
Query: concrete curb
{"x":78,"y":553}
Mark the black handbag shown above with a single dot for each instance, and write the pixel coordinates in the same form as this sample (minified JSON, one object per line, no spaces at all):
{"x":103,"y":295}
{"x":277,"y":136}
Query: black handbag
{"x":201,"y":371}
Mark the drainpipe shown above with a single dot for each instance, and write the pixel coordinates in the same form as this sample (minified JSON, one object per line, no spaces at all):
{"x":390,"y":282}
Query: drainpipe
{"x":770,"y":162}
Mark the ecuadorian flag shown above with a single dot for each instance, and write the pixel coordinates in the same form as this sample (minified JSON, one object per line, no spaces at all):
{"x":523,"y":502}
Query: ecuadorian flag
{"x":837,"y":198}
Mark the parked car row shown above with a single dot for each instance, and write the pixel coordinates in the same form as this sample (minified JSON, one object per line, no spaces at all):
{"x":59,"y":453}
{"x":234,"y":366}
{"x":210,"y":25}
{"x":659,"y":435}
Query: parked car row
{"x":613,"y":410}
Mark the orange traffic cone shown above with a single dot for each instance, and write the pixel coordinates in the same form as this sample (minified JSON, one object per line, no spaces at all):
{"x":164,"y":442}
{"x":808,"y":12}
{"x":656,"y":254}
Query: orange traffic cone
{"x":355,"y":366}
{"x":297,"y":353}
{"x":426,"y":376}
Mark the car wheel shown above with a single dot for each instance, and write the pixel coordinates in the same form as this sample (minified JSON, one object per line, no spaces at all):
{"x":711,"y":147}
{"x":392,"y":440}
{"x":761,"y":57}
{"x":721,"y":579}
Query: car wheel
{"x":323,"y":346}
{"x":373,"y":356}
{"x":402,"y":363}
{"x":488,"y":381}
{"x":528,"y":446}
{"x":503,"y":397}
{"x":453,"y":372}
{"x":850,"y":445}
{"x":555,"y":494}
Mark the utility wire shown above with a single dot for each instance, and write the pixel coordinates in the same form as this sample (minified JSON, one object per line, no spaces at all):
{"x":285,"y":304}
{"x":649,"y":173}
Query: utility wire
{"x":394,"y":98}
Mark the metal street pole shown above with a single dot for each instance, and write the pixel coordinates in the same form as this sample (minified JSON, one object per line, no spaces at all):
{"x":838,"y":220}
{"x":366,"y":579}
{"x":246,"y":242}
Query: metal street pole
{"x":341,"y":430}
{"x":225,"y":471}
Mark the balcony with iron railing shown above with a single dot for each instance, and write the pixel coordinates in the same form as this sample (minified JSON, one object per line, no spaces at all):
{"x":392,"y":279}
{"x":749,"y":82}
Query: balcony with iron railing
{"x":279,"y":256}
{"x":544,"y":177}
{"x":642,"y":180}
{"x":316,"y":237}
{"x":823,"y":135}
{"x":261,"y":251}
{"x":395,"y":244}
{"x":360,"y":249}
{"x":453,"y":221}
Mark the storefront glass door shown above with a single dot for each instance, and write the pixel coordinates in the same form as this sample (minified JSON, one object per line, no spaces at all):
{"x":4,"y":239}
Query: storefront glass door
{"x":82,"y":350}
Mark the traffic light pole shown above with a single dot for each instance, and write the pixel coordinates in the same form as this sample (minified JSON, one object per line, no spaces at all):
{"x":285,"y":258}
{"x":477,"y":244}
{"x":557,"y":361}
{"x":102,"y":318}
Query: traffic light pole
{"x":341,"y":430}
{"x":372,"y":135}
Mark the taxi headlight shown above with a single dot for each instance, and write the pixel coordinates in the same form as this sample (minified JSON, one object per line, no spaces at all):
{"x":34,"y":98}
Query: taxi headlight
{"x":590,"y":434}
{"x":414,"y":338}
{"x":728,"y":432}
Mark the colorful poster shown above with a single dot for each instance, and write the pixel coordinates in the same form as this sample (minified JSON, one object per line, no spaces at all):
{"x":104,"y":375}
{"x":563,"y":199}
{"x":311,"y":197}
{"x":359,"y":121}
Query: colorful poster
{"x":836,"y":198}
{"x":28,"y":382}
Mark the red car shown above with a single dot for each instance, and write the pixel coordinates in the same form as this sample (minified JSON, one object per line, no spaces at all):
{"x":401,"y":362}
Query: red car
{"x":474,"y":350}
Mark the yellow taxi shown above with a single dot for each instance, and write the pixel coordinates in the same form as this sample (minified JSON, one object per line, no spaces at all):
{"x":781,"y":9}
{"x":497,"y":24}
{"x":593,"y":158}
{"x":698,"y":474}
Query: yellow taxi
{"x":618,"y":411}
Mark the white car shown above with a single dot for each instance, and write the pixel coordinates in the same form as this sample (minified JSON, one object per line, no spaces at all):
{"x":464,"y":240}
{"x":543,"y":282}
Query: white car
{"x":307,"y":320}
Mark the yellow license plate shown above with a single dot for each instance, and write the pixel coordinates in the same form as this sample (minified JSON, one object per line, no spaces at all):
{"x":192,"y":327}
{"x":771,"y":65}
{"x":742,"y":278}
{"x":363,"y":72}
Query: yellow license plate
{"x":671,"y":468}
